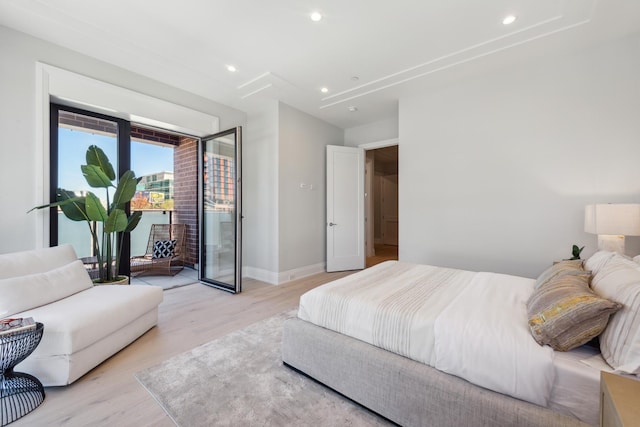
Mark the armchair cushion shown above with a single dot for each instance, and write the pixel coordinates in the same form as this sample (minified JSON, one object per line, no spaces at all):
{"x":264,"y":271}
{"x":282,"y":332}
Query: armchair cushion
{"x":34,"y":290}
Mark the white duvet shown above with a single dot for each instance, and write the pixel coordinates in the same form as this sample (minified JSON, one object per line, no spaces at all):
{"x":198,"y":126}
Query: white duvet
{"x":472,"y":325}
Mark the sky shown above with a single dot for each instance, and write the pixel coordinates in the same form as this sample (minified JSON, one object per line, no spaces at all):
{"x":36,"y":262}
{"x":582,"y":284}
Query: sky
{"x":73,"y":144}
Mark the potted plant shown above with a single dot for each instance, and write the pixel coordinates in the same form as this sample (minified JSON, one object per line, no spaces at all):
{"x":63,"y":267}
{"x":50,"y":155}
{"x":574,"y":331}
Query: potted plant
{"x":99,"y":173}
{"x":575,"y":252}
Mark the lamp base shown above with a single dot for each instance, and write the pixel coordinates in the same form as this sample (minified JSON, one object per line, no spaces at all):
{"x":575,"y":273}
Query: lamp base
{"x":611,"y":243}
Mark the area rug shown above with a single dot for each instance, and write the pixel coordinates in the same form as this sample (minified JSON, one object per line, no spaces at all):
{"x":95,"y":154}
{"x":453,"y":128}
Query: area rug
{"x":239,"y":380}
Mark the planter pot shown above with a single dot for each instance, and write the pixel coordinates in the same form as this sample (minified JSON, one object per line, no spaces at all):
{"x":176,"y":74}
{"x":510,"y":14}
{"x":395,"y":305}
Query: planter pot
{"x":120,"y":280}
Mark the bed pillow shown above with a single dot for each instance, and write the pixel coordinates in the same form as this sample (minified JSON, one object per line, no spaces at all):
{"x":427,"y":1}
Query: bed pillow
{"x":561,"y":268}
{"x":565,"y":313}
{"x":163,"y":248}
{"x":597,"y":261}
{"x":636,"y":259}
{"x":619,"y":280}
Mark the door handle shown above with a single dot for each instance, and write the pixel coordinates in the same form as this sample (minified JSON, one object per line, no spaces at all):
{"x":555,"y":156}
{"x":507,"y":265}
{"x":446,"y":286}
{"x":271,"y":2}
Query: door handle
{"x":331,"y":224}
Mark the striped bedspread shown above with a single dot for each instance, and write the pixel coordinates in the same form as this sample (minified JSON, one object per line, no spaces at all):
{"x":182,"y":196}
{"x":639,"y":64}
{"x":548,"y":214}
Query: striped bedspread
{"x":472,"y":325}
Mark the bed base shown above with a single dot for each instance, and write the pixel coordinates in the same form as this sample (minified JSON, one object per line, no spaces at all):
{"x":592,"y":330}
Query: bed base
{"x":402,"y":390}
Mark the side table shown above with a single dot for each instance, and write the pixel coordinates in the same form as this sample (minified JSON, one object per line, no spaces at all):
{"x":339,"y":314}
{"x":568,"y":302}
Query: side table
{"x":618,"y":401}
{"x":19,"y":393}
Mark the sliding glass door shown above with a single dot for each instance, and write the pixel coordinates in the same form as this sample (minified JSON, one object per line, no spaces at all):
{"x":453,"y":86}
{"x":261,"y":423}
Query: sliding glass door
{"x":221,"y":210}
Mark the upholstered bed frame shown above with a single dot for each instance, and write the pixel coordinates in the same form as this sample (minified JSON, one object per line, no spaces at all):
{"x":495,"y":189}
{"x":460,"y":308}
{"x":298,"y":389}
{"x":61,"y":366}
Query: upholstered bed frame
{"x":404,"y":391}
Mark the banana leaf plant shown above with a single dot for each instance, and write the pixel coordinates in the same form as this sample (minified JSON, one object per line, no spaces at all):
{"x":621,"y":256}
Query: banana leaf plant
{"x":99,"y":173}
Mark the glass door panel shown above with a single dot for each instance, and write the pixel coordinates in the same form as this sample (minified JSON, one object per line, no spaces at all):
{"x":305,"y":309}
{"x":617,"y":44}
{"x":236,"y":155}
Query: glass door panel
{"x":220,"y":210}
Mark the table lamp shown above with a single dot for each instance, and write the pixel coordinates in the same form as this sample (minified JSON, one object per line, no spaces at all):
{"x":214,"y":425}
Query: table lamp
{"x":612,"y":222}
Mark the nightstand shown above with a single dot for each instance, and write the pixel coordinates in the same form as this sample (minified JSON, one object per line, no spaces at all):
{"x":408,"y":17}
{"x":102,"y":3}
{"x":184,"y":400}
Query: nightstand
{"x":619,"y":401}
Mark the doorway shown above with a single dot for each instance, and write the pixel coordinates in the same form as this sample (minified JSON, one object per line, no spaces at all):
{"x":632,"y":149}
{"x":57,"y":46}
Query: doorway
{"x":151,"y":153}
{"x":381,"y":204}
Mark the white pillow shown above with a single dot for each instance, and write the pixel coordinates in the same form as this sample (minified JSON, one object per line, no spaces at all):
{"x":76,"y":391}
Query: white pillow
{"x":34,"y":290}
{"x":619,"y":280}
{"x":35,"y":261}
{"x":636,"y":259}
{"x":598,"y":260}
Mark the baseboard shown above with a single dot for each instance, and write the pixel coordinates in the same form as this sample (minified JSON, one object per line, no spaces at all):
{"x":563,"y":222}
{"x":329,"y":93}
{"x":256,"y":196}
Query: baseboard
{"x":276,"y":278}
{"x":299,"y":273}
{"x":260,"y":274}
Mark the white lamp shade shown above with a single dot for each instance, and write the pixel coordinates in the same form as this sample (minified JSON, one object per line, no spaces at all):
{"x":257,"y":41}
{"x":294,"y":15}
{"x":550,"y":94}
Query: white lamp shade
{"x":612,"y":219}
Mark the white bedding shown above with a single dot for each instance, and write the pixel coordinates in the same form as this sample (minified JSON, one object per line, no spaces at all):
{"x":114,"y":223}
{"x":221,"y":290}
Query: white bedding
{"x":472,"y":325}
{"x":392,"y":306}
{"x":483,"y":336}
{"x":576,"y":389}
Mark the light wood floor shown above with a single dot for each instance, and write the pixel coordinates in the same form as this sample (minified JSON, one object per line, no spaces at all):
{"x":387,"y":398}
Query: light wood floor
{"x":189,"y":316}
{"x":383,"y":253}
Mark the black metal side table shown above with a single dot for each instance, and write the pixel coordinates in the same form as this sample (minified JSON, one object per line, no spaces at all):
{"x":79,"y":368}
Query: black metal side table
{"x":19,"y":393}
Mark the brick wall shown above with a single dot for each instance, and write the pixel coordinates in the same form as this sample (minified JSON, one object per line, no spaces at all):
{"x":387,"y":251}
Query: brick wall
{"x":79,"y":121}
{"x":145,"y":134}
{"x":185,"y":193}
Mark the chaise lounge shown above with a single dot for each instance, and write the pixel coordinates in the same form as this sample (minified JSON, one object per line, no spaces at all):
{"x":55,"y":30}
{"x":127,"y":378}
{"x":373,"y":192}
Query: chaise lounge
{"x":83,"y":324}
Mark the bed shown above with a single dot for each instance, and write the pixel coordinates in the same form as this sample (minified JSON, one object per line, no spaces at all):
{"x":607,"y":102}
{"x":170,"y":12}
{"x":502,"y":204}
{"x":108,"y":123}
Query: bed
{"x":424,"y":345}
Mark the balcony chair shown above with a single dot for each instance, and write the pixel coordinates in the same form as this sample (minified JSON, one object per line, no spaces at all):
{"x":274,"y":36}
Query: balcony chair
{"x":165,"y":251}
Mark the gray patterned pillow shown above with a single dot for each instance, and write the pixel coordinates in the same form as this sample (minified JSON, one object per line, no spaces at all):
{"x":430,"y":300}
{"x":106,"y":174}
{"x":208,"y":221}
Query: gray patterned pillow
{"x":561,"y":268}
{"x":564,"y":313}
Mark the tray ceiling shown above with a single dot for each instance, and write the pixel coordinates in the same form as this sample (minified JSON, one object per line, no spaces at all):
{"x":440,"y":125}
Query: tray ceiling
{"x":366,"y":53}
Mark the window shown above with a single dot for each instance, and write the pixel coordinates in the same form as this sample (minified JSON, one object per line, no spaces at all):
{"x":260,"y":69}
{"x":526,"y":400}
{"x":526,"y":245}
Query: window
{"x":72,"y":132}
{"x":149,"y":153}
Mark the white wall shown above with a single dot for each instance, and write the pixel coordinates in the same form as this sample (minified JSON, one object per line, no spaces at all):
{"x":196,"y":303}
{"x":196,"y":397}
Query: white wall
{"x":18,"y":56}
{"x":302,"y":211}
{"x":260,"y":193}
{"x":380,"y":130}
{"x":274,"y":136}
{"x":284,"y":225}
{"x":495,"y":171}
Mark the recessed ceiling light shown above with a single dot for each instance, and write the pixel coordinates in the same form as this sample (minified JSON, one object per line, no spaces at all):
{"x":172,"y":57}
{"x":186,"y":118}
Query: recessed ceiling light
{"x":352,"y":108}
{"x":324,"y":90}
{"x":231,"y":68}
{"x":316,"y":16}
{"x":510,"y":19}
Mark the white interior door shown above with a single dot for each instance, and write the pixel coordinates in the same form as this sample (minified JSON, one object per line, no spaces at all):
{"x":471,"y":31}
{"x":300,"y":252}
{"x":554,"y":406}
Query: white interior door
{"x":345,"y":208}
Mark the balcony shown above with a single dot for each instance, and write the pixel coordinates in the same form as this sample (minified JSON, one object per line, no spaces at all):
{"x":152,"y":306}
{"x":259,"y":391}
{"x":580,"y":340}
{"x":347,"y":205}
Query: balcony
{"x":78,"y":235}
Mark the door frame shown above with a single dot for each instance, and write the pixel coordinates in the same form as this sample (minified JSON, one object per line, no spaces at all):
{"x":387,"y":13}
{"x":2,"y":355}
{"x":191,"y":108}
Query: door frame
{"x":369,"y":233}
{"x":237,"y":286}
{"x":64,"y":87}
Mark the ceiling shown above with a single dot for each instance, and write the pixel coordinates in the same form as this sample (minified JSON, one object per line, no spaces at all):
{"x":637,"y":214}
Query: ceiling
{"x":368,"y":53}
